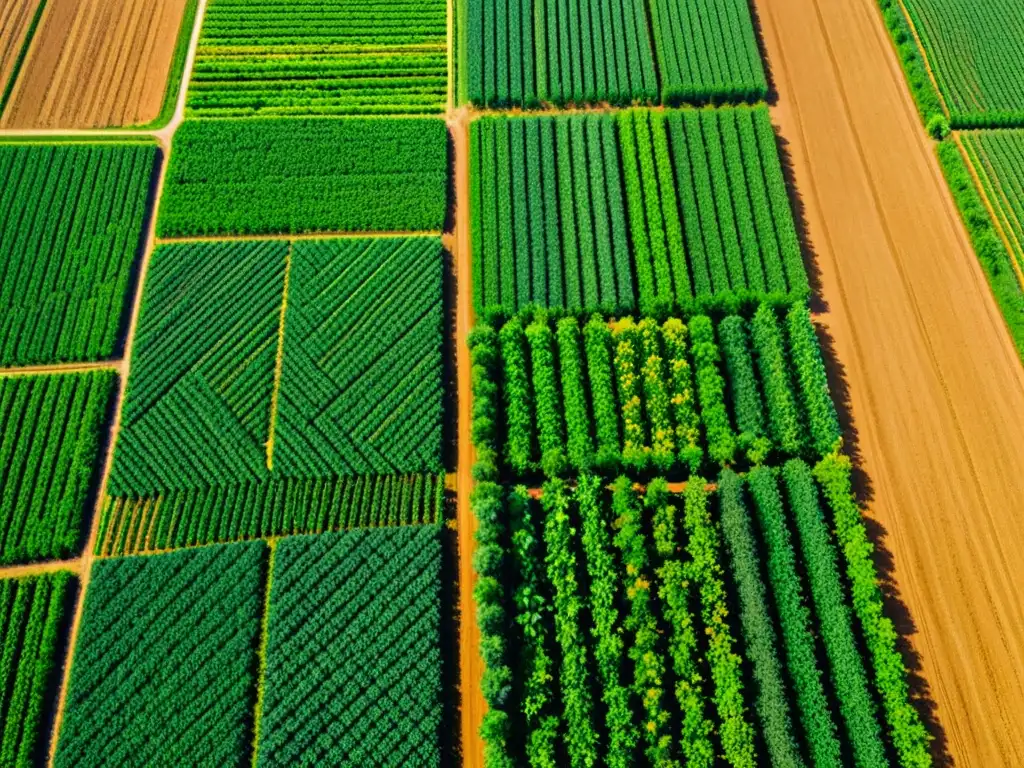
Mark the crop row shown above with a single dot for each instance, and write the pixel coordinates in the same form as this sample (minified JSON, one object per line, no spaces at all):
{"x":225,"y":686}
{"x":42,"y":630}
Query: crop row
{"x":221,"y":394}
{"x":666,"y":211}
{"x":167,"y":664}
{"x":32,"y":611}
{"x":525,"y":53}
{"x":591,"y":600}
{"x":326,"y":58}
{"x":71,"y":221}
{"x":50,"y":434}
{"x":271,"y":508}
{"x":292,"y":175}
{"x":558,"y":397}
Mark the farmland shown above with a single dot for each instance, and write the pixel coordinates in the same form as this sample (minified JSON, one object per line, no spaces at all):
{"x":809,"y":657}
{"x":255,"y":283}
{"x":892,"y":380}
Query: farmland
{"x":98,"y":63}
{"x":18,"y":22}
{"x":976,"y":52}
{"x":32,"y":614}
{"x":669,"y":51}
{"x":314,"y":58}
{"x":293,"y":175}
{"x":687,"y":210}
{"x":78,"y":210}
{"x":52,"y":428}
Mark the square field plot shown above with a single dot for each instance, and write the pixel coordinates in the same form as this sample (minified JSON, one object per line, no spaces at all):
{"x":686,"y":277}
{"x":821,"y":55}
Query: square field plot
{"x":71,"y":225}
{"x":261,"y":176}
{"x":49,"y":456}
{"x":661,"y":211}
{"x":533,"y":52}
{"x":222,"y":393}
{"x":353,"y":661}
{"x":164,"y":671}
{"x":279,"y":57}
{"x":32,"y":619}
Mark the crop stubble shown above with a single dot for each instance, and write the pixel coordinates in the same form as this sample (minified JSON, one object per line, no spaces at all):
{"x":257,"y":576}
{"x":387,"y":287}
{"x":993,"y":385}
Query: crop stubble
{"x":96,"y":63}
{"x":936,"y":389}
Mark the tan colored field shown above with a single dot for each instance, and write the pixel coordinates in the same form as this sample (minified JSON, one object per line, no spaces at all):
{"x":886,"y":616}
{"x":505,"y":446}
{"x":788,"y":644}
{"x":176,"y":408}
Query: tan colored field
{"x":936,"y":388}
{"x":96,"y":63}
{"x":15,"y":18}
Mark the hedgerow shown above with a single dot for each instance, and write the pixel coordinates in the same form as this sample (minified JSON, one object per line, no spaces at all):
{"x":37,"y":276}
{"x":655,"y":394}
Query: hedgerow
{"x":291,"y":175}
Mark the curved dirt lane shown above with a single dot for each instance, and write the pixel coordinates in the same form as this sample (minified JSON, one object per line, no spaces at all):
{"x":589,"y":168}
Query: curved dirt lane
{"x":936,"y":389}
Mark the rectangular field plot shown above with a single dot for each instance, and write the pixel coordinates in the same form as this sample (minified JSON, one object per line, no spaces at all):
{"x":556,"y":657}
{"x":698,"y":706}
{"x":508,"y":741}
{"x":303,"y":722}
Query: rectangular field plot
{"x":97,"y":63}
{"x":526,"y":53}
{"x":164,"y":668}
{"x":71,"y":225}
{"x":998,"y":159}
{"x":353,"y":658}
{"x":32,"y":613}
{"x":629,"y":626}
{"x":51,"y":429}
{"x":975,"y":49}
{"x":221,"y":393}
{"x":261,"y":176}
{"x":18,"y":21}
{"x":320,"y":58}
{"x":667,"y":210}
{"x":643,"y":395}
{"x":274,"y":507}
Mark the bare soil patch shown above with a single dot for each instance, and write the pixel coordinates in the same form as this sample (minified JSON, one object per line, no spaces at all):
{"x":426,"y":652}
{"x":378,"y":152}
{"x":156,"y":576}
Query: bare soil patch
{"x":936,"y":389}
{"x":96,"y":63}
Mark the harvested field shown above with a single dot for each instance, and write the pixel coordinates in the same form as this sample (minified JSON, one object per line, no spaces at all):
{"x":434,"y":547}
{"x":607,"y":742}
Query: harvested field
{"x":96,"y":63}
{"x":936,"y":388}
{"x":15,"y":26}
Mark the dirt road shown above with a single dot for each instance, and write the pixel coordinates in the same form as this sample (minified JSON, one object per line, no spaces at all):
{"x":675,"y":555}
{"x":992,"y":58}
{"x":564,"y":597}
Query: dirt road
{"x":471,"y":666}
{"x":936,"y":390}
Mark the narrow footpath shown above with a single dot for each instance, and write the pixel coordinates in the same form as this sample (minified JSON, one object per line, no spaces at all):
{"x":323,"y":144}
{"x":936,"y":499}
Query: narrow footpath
{"x":935,"y":387}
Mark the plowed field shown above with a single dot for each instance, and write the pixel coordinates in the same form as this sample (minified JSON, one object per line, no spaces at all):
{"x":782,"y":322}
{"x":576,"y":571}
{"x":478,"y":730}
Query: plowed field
{"x":96,"y":63}
{"x":15,"y":20}
{"x":936,"y":389}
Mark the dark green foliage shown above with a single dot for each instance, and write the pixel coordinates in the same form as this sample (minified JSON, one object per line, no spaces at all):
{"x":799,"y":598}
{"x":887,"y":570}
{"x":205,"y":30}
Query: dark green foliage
{"x":165,"y":664}
{"x":597,"y":339}
{"x":746,"y":397}
{"x":680,"y":389}
{"x":549,"y":413}
{"x":361,"y":377}
{"x":70,"y":229}
{"x":770,"y":350}
{"x":711,"y":391}
{"x":908,"y":734}
{"x":704,"y":570}
{"x":275,"y":507}
{"x":577,"y":418}
{"x":485,"y":352}
{"x":519,"y":413}
{"x":50,"y":430}
{"x":353,"y":666}
{"x":258,"y":176}
{"x":324,"y":58}
{"x":794,"y":620}
{"x":31,"y":618}
{"x":849,"y":675}
{"x":758,"y":629}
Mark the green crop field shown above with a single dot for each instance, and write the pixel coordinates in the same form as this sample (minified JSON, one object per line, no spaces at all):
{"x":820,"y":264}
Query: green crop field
{"x":353,"y":654}
{"x":290,"y":175}
{"x":51,"y":428}
{"x":975,"y":49}
{"x":71,"y":227}
{"x":998,"y":159}
{"x":320,"y":58}
{"x":222,"y":393}
{"x":32,"y":620}
{"x":164,"y":670}
{"x":686,"y":210}
{"x":526,"y":53}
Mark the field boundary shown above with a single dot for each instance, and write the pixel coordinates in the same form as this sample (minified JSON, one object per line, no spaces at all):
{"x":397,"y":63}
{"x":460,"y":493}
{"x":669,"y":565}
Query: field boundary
{"x":924,"y":56}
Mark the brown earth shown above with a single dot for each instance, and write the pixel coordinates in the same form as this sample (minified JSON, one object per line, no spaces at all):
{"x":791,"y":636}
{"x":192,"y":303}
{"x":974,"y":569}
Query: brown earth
{"x":471,"y":666}
{"x":15,"y":17}
{"x":936,"y":389}
{"x":96,"y":63}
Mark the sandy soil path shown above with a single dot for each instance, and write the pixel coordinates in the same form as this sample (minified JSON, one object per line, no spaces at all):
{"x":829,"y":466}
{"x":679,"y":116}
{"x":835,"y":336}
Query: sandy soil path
{"x":936,"y":390}
{"x":471,"y":666}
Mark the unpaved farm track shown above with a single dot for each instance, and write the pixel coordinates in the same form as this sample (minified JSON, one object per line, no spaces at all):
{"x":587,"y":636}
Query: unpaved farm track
{"x":936,"y":390}
{"x":96,"y":63}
